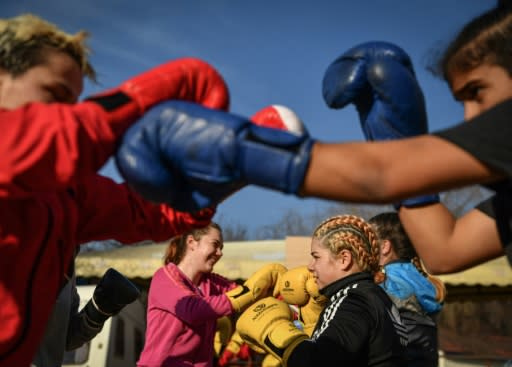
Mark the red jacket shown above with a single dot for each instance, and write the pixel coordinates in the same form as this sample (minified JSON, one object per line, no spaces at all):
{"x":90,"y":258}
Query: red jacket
{"x":52,"y":200}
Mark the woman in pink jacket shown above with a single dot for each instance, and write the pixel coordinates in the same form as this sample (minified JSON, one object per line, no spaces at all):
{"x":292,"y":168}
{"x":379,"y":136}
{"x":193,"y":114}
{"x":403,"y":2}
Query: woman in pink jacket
{"x":185,"y":300}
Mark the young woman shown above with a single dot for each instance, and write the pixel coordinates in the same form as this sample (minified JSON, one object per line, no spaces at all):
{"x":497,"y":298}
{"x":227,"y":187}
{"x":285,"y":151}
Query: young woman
{"x":477,"y":66}
{"x":359,"y":325}
{"x":185,"y":300}
{"x":418,"y":296}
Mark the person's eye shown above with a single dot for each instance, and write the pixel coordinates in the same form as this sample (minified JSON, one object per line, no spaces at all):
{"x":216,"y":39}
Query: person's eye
{"x":53,"y":94}
{"x":475,"y":93}
{"x":57,"y":94}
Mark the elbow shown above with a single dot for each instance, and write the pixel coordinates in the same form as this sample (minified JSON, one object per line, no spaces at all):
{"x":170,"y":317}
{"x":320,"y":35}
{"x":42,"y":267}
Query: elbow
{"x":440,"y":266}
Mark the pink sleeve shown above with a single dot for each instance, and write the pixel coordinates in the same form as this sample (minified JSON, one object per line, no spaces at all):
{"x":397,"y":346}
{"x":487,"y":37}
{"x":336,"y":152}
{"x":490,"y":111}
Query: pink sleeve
{"x":221,"y":283}
{"x":173,"y":295}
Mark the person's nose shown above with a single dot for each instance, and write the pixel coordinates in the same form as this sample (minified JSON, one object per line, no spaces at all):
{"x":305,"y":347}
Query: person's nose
{"x":471,"y":109}
{"x":310,"y":265}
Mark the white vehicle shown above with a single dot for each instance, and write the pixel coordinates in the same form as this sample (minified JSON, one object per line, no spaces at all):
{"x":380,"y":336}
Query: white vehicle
{"x":119,"y":343}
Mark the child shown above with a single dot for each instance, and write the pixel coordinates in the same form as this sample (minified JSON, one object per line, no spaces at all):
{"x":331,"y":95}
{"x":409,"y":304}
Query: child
{"x":418,"y":296}
{"x":359,"y":326}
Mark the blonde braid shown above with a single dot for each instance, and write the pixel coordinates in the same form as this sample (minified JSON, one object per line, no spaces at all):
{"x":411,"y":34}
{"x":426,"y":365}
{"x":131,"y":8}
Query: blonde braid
{"x":417,"y":264}
{"x":352,"y":233}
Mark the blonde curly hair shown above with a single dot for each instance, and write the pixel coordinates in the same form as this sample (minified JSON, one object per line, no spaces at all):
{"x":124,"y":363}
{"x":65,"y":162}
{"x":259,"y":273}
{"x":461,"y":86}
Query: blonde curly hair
{"x":25,"y":38}
{"x":352,"y":233}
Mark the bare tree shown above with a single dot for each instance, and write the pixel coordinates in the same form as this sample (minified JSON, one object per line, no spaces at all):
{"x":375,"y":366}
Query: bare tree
{"x":233,"y":231}
{"x":295,"y":223}
{"x":365,"y":211}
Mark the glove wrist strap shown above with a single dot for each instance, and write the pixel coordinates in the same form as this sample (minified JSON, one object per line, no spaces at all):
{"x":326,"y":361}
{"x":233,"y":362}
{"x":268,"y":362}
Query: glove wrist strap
{"x":417,"y":201}
{"x":276,"y":167}
{"x":99,"y":309}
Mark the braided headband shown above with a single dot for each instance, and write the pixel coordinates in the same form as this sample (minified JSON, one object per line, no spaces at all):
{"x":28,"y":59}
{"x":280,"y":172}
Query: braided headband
{"x":357,"y":232}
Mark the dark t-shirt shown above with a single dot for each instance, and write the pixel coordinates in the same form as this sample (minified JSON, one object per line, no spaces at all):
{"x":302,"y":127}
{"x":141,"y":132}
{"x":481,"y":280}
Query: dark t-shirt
{"x":488,"y":137}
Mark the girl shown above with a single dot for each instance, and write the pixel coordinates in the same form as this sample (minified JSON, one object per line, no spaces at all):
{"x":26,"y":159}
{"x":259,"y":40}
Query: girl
{"x":185,"y":299}
{"x":359,"y":326}
{"x":417,"y":295}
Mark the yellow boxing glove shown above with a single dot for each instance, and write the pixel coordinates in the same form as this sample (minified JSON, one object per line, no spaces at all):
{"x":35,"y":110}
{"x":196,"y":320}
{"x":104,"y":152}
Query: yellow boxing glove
{"x":270,"y":361}
{"x":268,"y":324}
{"x":310,"y":312}
{"x":260,"y":284}
{"x":292,"y":286}
{"x":222,"y":334}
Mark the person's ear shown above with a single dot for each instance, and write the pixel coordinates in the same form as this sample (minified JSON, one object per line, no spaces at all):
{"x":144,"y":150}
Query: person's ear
{"x":345,"y":260}
{"x":385,"y":248}
{"x":387,"y":253}
{"x":191,"y":242}
{"x":3,"y":75}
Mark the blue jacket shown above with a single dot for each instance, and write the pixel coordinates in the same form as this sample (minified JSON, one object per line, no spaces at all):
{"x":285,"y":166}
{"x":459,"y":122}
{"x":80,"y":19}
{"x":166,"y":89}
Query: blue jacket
{"x":415,"y":297}
{"x":409,"y":289}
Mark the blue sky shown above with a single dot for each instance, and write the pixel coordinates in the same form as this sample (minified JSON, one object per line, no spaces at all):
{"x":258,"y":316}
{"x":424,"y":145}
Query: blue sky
{"x":269,"y":52}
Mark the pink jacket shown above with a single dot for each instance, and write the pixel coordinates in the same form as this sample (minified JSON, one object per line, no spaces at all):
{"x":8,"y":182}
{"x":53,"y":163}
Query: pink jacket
{"x":181,"y":318}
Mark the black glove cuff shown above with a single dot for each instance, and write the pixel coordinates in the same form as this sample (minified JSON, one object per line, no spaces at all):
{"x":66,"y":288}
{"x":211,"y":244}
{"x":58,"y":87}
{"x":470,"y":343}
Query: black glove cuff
{"x":113,"y":292}
{"x":94,"y":315}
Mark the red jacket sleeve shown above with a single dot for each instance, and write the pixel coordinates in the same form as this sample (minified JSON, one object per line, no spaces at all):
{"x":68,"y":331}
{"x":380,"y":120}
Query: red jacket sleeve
{"x":108,"y":210}
{"x":45,"y":147}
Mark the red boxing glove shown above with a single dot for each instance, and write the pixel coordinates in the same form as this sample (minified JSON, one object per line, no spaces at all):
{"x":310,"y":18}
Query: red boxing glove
{"x":245,"y":352}
{"x":188,"y":79}
{"x":279,"y":117}
{"x":203,"y":217}
{"x":226,"y":357}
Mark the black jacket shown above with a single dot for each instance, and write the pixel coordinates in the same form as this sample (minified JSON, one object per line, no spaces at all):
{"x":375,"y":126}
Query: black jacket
{"x":359,"y":326}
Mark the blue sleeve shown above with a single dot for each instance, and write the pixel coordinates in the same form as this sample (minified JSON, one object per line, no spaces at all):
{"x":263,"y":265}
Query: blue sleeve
{"x":407,"y":285}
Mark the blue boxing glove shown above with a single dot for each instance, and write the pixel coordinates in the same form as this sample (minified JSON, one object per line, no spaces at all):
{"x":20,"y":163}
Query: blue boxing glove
{"x":192,"y":157}
{"x":378,"y":78}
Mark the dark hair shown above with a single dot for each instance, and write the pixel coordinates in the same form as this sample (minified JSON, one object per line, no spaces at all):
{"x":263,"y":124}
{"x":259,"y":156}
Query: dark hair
{"x":485,"y":39}
{"x":388,"y":227}
{"x":177,"y":245}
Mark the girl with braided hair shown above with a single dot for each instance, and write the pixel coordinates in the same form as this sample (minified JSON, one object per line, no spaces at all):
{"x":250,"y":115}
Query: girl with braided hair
{"x":360,"y":325}
{"x":418,"y":295}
